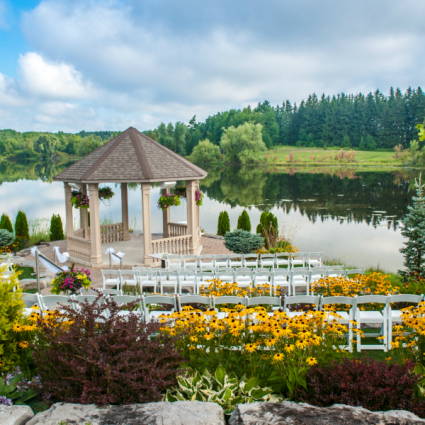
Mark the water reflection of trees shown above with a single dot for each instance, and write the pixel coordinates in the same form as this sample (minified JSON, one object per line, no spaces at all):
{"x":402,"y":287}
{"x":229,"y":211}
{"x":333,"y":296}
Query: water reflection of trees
{"x":354,"y":198}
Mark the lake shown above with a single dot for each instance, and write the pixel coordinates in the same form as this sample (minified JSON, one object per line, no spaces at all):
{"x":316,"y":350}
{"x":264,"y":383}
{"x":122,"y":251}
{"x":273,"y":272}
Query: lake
{"x":351,"y":216}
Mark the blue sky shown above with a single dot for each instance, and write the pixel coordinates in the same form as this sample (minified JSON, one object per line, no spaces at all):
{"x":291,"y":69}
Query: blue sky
{"x":108,"y":64}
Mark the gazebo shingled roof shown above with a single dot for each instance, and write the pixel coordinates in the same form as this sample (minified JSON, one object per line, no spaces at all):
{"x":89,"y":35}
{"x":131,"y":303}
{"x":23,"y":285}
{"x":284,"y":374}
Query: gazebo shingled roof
{"x":131,"y":157}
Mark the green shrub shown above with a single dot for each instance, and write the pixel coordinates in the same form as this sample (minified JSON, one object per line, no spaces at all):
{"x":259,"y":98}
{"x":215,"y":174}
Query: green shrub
{"x":11,"y":314}
{"x":220,"y":388}
{"x":242,"y":242}
{"x":244,"y":222}
{"x":6,"y":223}
{"x":269,"y":229}
{"x":56,"y":228}
{"x":6,"y":238}
{"x":223,"y":225}
{"x":21,"y":229}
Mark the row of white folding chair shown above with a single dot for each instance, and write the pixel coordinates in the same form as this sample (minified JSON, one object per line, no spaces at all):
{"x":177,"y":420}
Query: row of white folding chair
{"x":246,"y":260}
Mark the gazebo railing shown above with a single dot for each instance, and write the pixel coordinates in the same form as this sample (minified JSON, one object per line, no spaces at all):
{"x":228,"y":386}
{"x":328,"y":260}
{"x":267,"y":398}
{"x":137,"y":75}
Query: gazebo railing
{"x":112,"y":232}
{"x":177,"y":229}
{"x":174,"y":245}
{"x":79,"y":249}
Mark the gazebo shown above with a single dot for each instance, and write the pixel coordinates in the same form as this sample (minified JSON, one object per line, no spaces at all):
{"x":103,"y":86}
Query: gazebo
{"x":130,"y":157}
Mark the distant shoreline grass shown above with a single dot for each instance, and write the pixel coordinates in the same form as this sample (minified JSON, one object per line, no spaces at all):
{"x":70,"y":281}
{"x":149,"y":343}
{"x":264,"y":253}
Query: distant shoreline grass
{"x":294,"y":156}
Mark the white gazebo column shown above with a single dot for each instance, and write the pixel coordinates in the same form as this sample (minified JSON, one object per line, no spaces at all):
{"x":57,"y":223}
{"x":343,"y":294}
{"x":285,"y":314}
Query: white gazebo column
{"x":192,"y":222}
{"x":95,"y":238}
{"x":69,"y":219}
{"x":124,"y":211}
{"x":146,"y":212}
{"x":84,"y":215}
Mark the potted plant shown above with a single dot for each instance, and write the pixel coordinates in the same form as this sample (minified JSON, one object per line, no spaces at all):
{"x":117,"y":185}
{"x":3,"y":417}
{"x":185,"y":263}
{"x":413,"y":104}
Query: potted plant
{"x":79,"y":199}
{"x":71,"y":281}
{"x":168,"y":200}
{"x":105,"y":193}
{"x":199,"y":197}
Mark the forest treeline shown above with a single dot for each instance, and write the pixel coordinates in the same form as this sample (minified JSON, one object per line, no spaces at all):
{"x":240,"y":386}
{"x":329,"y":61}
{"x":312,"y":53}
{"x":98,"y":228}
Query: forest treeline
{"x":364,"y":121}
{"x":371,"y":121}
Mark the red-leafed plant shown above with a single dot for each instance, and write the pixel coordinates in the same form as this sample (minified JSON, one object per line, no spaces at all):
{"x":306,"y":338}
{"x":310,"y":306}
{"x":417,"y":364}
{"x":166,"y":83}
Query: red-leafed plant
{"x":98,"y":355}
{"x":372,"y":384}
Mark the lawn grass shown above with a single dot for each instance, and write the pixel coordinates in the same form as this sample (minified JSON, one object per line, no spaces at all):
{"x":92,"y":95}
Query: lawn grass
{"x":302,"y":156}
{"x":25,"y":272}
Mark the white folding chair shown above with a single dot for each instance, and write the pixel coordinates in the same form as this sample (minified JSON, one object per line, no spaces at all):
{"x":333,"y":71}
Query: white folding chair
{"x":206,"y":263}
{"x":299,"y":278}
{"x":343,"y":317}
{"x":54,"y":302}
{"x":124,"y":301}
{"x":147,"y":279}
{"x":167,"y":280}
{"x":190,"y":263}
{"x":267,"y":260}
{"x":111,"y":279}
{"x":261,"y":276}
{"x":221,"y":262}
{"x":314,"y":259}
{"x":188,"y":280}
{"x":243,"y":277}
{"x":283,"y":259}
{"x":227,"y":299}
{"x":250,"y":260}
{"x":193,"y":300}
{"x":373,"y":318}
{"x":30,"y":301}
{"x":158,"y":302}
{"x":297,"y":260}
{"x":225,"y":275}
{"x":129,"y":278}
{"x":394,"y":315}
{"x":275,"y":302}
{"x":280,"y":281}
{"x":296,"y":300}
{"x":236,"y":260}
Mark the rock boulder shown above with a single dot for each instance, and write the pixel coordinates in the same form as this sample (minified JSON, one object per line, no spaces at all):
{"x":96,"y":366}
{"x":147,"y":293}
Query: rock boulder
{"x":162,"y":413}
{"x":15,"y":415}
{"x":290,"y":413}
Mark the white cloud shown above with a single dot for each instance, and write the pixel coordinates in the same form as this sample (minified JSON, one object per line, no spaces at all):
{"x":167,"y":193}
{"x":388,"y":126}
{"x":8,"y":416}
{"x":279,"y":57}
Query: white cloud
{"x":49,"y":79}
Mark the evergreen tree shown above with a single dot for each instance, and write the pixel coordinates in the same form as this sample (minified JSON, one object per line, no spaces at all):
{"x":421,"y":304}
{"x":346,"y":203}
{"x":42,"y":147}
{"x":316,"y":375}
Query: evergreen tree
{"x":6,"y":223}
{"x":223,"y":225}
{"x":268,"y":228}
{"x":21,"y":229}
{"x":56,"y":228}
{"x":244,"y":222}
{"x":414,"y":231}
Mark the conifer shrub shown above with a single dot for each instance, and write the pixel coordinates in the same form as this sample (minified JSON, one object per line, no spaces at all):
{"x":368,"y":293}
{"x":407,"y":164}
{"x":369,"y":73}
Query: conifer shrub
{"x":6,"y":238}
{"x":21,"y":229}
{"x":372,"y":384}
{"x":242,"y":242}
{"x":268,"y":228}
{"x":6,"y":223}
{"x":223,"y":225}
{"x":244,"y":222}
{"x":56,"y":228}
{"x":104,"y":357}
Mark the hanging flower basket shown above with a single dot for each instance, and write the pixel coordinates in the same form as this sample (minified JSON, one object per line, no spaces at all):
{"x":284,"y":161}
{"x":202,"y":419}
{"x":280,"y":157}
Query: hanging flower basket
{"x":105,"y":193}
{"x":79,"y":200}
{"x":71,"y":281}
{"x":180,"y":191}
{"x":168,"y":200}
{"x":199,"y":197}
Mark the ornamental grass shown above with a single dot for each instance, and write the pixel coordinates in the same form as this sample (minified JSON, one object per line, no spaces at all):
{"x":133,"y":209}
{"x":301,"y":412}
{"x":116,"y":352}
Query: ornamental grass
{"x":273,"y":347}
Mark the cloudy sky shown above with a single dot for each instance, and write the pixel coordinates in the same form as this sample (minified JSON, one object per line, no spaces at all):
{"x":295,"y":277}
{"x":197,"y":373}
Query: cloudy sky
{"x":108,"y":64}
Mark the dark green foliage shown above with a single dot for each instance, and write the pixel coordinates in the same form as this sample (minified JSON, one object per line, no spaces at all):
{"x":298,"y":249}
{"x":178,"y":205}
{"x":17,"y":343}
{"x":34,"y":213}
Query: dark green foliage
{"x":21,"y":229}
{"x":243,"y":242}
{"x":6,"y":223}
{"x":223,"y":225}
{"x":6,"y":237}
{"x":414,"y":232}
{"x":268,"y":228}
{"x":244,"y":222}
{"x":56,"y":228}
